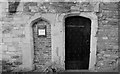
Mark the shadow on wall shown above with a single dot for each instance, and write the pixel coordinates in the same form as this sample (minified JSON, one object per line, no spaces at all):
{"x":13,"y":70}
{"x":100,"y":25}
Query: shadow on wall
{"x":13,"y":7}
{"x":11,"y":65}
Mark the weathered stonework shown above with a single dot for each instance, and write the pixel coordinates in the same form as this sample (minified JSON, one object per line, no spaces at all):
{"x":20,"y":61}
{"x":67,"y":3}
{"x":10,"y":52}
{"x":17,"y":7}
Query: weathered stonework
{"x":108,"y":37}
{"x":17,"y":34}
{"x":42,"y":45}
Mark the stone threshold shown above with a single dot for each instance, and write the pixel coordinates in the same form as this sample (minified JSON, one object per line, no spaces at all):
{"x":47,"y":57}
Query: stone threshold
{"x":78,"y":71}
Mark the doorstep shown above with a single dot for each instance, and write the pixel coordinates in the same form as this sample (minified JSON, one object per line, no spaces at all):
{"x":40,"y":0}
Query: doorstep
{"x":78,"y":71}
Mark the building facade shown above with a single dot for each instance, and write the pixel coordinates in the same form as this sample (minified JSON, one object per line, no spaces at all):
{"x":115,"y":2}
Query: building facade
{"x":59,"y":36}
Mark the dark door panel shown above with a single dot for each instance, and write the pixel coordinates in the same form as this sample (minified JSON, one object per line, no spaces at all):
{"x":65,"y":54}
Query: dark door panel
{"x":77,"y":42}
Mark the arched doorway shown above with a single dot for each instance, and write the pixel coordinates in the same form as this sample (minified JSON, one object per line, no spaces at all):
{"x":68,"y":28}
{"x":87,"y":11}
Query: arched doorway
{"x":77,"y":42}
{"x":42,"y":43}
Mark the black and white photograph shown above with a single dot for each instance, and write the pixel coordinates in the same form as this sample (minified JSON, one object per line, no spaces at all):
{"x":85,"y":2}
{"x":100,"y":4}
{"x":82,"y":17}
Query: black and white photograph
{"x":59,"y":36}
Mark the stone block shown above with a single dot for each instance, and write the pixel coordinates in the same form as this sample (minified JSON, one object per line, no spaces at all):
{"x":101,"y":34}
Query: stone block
{"x":96,"y":6}
{"x":101,"y":45}
{"x":26,"y":6}
{"x":107,"y":69}
{"x":106,"y":45}
{"x":110,"y":14}
{"x":18,"y":59}
{"x":11,"y":49}
{"x":17,"y":18}
{"x":113,"y":39}
{"x":20,"y":7}
{"x":30,"y":4}
{"x":6,"y":35}
{"x":10,"y":52}
{"x":1,"y":49}
{"x":112,"y":23}
{"x":0,"y":57}
{"x":88,"y":8}
{"x":75,"y":8}
{"x":18,"y":34}
{"x":21,"y":19}
{"x":104,"y":22}
{"x":92,"y":6}
{"x":7,"y":40}
{"x":115,"y":47}
{"x":6,"y":29}
{"x":4,"y":47}
{"x":21,"y":36}
{"x":104,"y":38}
{"x":107,"y":32}
{"x":7,"y":19}
{"x":6,"y":57}
{"x":100,"y":63}
{"x":109,"y":6}
{"x":112,"y":19}
{"x":34,"y":8}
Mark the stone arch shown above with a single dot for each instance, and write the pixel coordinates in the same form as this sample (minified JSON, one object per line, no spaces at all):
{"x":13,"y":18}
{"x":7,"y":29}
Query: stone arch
{"x":55,"y":45}
{"x":37,"y":20}
{"x":93,"y":42}
{"x":41,"y":22}
{"x":29,"y":48}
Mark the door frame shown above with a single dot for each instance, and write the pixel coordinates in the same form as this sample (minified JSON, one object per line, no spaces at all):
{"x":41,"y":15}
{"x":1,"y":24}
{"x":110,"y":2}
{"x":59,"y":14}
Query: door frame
{"x":93,"y":40}
{"x":61,"y":19}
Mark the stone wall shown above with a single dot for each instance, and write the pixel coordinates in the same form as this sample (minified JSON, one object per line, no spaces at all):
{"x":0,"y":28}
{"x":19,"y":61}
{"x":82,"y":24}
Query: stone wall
{"x":42,"y":45}
{"x":13,"y":37}
{"x":15,"y":27}
{"x":107,"y":53}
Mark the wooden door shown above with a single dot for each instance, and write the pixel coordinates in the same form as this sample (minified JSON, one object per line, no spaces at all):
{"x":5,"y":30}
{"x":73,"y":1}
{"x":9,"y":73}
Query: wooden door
{"x":77,"y":42}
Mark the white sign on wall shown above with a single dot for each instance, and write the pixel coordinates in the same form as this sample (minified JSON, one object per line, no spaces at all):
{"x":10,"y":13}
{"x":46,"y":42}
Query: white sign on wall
{"x":41,"y":31}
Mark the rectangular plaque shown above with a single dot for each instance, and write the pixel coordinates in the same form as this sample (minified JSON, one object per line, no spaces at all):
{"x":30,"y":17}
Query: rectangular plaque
{"x":42,"y":30}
